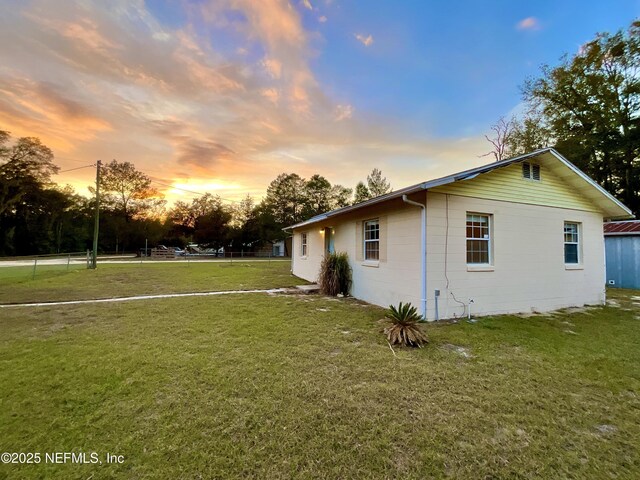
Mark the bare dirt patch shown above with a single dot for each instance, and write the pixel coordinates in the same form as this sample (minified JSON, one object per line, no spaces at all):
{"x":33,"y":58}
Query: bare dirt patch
{"x":462,"y":351}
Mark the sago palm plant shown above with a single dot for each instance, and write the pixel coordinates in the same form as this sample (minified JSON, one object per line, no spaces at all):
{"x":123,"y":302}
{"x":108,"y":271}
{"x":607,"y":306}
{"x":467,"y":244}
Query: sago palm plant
{"x":404,"y":328}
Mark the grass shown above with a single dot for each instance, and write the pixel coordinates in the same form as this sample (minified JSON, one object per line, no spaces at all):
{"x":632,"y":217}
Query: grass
{"x":282,"y":386}
{"x":54,"y":283}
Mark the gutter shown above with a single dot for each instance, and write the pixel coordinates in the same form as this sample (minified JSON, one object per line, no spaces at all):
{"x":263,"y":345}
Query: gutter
{"x":423,"y":253}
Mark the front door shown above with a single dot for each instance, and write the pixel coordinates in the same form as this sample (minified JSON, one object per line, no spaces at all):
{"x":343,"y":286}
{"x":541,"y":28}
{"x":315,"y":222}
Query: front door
{"x":328,"y":240}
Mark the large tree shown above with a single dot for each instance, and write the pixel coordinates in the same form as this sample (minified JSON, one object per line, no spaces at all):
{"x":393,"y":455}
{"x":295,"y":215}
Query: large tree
{"x":320,"y":196}
{"x":24,"y":166}
{"x":31,"y":208}
{"x":317,"y":196}
{"x":244,"y":211}
{"x":130,"y":205}
{"x":362,"y":193}
{"x":590,"y":103}
{"x":377,"y":184}
{"x":286,"y":198}
{"x":340,"y":196}
{"x":528,"y":134}
{"x":128,"y":191}
{"x":206,"y":220}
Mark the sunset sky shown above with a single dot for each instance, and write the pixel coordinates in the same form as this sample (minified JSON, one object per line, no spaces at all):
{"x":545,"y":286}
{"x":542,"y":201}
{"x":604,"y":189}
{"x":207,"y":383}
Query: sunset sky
{"x":222,"y":96}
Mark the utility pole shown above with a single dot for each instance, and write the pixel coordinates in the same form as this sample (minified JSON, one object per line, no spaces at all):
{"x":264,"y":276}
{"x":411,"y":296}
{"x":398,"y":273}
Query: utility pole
{"x":94,"y":260}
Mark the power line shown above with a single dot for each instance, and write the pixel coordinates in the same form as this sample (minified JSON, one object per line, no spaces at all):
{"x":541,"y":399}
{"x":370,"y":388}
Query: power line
{"x":159,"y":182}
{"x":189,"y":191}
{"x":72,"y":160}
{"x":77,"y":168}
{"x":153,"y":180}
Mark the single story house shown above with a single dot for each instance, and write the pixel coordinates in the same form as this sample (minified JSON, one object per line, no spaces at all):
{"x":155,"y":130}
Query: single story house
{"x":622,"y":246}
{"x":518,"y":235}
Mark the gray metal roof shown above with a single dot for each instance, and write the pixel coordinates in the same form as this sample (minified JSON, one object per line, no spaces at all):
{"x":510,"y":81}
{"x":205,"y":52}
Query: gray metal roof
{"x":468,"y":175}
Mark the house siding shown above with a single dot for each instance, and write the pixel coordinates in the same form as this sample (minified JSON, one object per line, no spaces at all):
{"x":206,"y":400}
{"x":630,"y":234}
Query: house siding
{"x":395,"y":278}
{"x":309,"y":266}
{"x":528,"y":270}
{"x":507,"y":184}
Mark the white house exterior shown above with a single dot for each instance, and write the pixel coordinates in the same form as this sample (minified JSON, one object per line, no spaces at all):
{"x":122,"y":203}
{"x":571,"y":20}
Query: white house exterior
{"x":520,"y":235}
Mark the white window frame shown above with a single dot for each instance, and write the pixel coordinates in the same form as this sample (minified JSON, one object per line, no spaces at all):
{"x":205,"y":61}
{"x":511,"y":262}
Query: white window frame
{"x":365,"y":241}
{"x":489,"y":239}
{"x":578,"y":234}
{"x":303,"y":244}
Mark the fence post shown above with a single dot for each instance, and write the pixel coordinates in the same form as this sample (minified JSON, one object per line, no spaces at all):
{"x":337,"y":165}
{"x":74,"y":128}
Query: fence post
{"x":35,"y":264}
{"x":88,"y":258}
{"x":269,"y":258}
{"x":68,"y":261}
{"x":232,"y":257}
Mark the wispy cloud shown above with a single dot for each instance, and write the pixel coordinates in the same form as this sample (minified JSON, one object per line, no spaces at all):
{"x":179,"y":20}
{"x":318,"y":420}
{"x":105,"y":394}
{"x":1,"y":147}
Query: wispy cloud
{"x":529,"y":23}
{"x":343,"y":112}
{"x":203,"y":153}
{"x":307,"y":4}
{"x":366,"y":41}
{"x":322,"y":18}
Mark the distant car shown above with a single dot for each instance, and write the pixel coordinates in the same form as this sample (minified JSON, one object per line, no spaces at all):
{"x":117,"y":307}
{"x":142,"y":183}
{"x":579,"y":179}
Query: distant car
{"x":179,"y":251}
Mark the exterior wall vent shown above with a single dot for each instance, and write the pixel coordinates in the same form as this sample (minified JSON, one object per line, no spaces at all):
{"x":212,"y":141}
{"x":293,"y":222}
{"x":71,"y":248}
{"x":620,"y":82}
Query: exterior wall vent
{"x":531,"y":171}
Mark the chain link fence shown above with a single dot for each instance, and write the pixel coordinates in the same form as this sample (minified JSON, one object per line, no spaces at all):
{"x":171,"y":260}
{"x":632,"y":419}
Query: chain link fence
{"x":39,"y":266}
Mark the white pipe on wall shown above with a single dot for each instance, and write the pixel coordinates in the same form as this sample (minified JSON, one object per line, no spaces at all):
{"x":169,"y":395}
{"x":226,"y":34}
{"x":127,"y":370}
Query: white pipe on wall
{"x":423,"y":253}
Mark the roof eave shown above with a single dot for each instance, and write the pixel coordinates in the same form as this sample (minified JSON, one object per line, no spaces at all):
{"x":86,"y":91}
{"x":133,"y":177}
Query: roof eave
{"x":628,"y":213}
{"x":357,"y":206}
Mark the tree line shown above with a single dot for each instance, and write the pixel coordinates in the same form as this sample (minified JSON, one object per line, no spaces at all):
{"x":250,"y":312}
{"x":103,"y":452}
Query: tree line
{"x":37,"y":216}
{"x":588,"y":108}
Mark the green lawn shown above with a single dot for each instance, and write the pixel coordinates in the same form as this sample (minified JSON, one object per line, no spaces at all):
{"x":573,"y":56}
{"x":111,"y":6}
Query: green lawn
{"x":54,"y":283}
{"x":283,"y":386}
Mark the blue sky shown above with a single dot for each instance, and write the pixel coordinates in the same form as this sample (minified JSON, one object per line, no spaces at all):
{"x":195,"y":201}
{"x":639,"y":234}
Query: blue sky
{"x":223,"y":95}
{"x":452,"y":68}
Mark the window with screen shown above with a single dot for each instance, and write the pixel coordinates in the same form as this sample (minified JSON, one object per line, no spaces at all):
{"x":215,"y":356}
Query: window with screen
{"x":372,"y":240}
{"x":303,"y":242}
{"x":478,"y":239}
{"x":571,"y":243}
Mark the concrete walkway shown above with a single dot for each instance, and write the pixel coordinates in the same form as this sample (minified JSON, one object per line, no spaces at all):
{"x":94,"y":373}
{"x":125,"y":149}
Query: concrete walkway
{"x":145,"y":297}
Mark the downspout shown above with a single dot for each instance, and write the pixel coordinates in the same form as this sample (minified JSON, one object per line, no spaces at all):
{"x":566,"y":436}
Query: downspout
{"x":423,"y":252}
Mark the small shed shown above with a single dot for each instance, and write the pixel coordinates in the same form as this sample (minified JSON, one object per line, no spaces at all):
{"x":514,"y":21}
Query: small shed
{"x":622,"y":247}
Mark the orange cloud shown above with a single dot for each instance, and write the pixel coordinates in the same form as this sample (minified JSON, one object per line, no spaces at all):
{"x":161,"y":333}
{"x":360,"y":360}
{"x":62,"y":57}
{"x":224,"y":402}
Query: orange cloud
{"x":98,"y":81}
{"x":44,"y":108}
